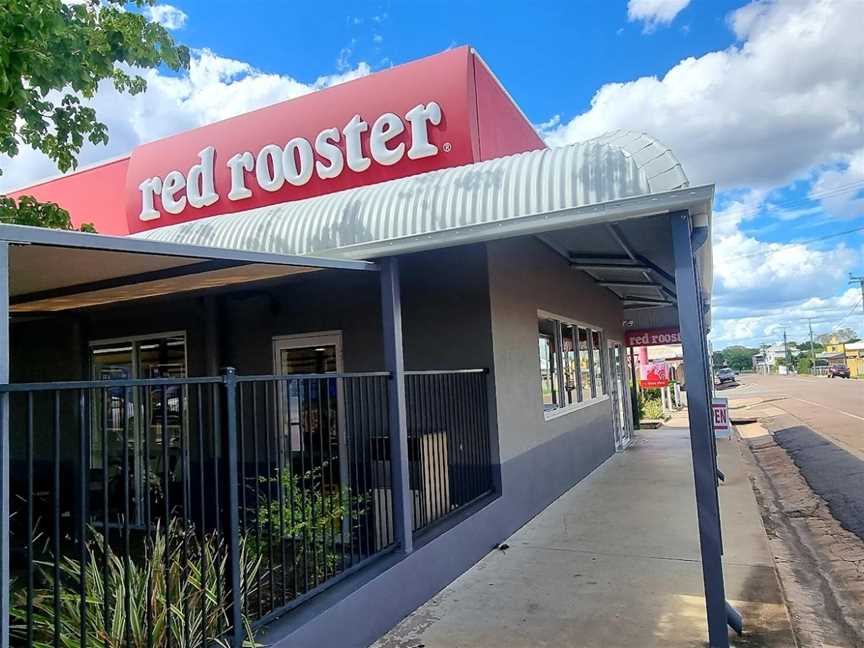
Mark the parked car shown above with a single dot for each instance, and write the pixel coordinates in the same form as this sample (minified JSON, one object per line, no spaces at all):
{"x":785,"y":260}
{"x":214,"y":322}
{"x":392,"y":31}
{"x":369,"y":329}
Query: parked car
{"x":839,"y":371}
{"x":725,"y":374}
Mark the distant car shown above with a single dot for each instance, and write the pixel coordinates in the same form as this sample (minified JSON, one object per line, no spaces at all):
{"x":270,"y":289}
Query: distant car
{"x":838,"y":371}
{"x":725,"y":374}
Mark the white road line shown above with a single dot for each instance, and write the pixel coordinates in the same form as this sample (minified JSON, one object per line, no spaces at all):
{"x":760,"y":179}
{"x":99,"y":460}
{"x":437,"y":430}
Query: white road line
{"x":833,"y":409}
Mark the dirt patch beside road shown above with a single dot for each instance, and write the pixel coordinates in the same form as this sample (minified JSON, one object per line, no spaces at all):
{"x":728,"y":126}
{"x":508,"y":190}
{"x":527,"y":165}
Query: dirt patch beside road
{"x":821,"y":564}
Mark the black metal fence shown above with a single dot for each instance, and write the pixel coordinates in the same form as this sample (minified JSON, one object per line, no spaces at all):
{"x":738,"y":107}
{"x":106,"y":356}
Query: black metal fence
{"x":448,"y":441}
{"x":186,"y":511}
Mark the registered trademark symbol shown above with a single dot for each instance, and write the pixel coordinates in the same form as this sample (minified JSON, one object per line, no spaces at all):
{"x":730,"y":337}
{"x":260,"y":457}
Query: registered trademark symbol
{"x":447,"y":147}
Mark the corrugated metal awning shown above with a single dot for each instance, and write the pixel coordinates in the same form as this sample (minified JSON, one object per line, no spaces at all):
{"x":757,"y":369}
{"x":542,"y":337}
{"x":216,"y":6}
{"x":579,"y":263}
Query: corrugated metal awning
{"x":375,"y":220}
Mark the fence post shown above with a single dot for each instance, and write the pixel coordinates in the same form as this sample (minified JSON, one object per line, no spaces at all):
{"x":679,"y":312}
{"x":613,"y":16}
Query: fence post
{"x":391,"y":308}
{"x":232,"y":522}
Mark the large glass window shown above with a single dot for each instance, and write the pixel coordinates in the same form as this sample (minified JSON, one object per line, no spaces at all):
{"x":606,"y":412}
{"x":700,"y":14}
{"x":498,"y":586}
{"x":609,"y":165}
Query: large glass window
{"x":571,"y":366}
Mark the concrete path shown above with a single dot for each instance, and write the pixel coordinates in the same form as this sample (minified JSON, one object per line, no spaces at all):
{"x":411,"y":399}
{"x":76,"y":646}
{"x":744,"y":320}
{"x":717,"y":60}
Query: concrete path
{"x":613,"y":562}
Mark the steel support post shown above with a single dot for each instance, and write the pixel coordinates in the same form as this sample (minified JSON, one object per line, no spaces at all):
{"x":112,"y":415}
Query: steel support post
{"x":5,"y":538}
{"x":391,"y":310}
{"x":701,"y":431}
{"x":232,"y":521}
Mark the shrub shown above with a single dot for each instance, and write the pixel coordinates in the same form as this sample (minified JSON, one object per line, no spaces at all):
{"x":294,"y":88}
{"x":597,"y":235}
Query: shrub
{"x":650,"y":404}
{"x":179,"y":566}
{"x":309,"y":512}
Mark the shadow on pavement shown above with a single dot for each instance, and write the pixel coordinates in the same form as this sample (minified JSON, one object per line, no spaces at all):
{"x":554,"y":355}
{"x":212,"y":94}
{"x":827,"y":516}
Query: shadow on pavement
{"x":834,"y":474}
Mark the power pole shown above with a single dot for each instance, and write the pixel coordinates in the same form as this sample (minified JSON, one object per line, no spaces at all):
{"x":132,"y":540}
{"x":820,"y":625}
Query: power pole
{"x":786,"y":353}
{"x":860,"y":281}
{"x":812,"y":350}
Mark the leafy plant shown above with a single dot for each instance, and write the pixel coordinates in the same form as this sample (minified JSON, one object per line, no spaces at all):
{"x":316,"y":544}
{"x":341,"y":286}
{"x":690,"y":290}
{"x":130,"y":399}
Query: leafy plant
{"x":26,"y":210}
{"x":54,"y":53}
{"x":650,"y":405}
{"x":310,"y":516}
{"x":177,"y":566}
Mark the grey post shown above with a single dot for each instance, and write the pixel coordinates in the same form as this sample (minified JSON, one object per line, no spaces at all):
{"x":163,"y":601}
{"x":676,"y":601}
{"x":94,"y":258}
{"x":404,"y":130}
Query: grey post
{"x":391,"y":310}
{"x":232,"y":522}
{"x":4,"y":446}
{"x":701,"y":430}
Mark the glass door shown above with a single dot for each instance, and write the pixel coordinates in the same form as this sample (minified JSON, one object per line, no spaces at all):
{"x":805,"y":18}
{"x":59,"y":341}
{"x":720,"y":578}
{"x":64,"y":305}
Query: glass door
{"x":619,"y":395}
{"x":310,"y":416}
{"x":119,"y":451}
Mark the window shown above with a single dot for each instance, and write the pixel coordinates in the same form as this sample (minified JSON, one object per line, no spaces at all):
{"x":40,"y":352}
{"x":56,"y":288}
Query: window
{"x":549,"y":364}
{"x":596,"y":349}
{"x":571,"y":363}
{"x":585,"y":365}
{"x":572,"y":370}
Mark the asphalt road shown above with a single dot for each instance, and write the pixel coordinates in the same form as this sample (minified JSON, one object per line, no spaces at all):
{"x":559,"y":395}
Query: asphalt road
{"x":833,"y":407}
{"x":820,"y":424}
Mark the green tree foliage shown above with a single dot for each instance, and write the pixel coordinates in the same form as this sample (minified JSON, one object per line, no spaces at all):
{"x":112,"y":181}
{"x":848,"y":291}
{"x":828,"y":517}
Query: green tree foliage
{"x":739,"y":357}
{"x":29,"y":211}
{"x":804,"y":365}
{"x":54,"y":54}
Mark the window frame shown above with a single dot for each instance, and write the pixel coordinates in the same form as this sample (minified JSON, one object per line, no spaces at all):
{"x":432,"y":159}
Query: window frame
{"x":583,"y":399}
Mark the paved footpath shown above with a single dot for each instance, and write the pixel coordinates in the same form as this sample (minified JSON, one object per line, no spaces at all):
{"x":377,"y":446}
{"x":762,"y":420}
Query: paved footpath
{"x":614,"y":563}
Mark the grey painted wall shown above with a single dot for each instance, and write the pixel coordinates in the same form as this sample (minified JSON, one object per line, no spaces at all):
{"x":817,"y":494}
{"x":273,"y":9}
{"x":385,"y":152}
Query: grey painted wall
{"x":524,"y":276}
{"x":539,"y":459}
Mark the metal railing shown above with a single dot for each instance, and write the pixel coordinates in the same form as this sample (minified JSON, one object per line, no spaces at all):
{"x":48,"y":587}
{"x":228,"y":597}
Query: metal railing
{"x":448,"y":440}
{"x":178,"y":511}
{"x":192,"y":510}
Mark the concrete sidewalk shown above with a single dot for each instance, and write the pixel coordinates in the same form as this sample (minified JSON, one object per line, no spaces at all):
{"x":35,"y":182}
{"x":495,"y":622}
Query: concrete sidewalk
{"x":613,"y":562}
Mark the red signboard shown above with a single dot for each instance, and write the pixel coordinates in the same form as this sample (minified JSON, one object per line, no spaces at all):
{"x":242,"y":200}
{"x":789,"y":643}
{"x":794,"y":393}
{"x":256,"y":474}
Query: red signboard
{"x":652,"y":337}
{"x":654,"y":374}
{"x":443,"y":111}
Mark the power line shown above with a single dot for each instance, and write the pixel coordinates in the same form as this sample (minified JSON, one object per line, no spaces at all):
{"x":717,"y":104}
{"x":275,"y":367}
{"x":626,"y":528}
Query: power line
{"x":848,"y":315}
{"x":802,"y":242}
{"x":836,"y":191}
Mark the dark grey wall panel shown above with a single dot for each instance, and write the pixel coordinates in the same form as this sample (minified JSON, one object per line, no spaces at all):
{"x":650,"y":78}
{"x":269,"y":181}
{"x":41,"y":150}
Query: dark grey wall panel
{"x":360,"y":611}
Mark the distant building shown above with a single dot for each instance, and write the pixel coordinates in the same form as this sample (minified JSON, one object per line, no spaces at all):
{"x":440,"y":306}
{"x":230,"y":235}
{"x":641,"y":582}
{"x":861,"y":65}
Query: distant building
{"x":849,"y":353}
{"x":760,"y":364}
{"x":777,"y":351}
{"x":854,"y":352}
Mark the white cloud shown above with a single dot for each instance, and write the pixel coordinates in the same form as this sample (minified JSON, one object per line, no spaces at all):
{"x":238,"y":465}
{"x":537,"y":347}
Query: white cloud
{"x":782,"y":104}
{"x":785,"y":98}
{"x":760,"y":287}
{"x":654,"y":13}
{"x":840,"y":191}
{"x":765,"y":325}
{"x":214,"y":88}
{"x":169,"y":16}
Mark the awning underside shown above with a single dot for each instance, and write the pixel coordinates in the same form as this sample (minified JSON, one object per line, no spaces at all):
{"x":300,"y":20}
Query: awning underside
{"x":633,"y":259}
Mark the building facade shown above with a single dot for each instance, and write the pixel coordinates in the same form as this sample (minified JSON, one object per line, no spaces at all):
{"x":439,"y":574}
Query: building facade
{"x":362,"y":336}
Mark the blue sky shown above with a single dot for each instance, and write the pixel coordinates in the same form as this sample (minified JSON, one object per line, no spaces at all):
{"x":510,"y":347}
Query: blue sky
{"x":762,"y":98}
